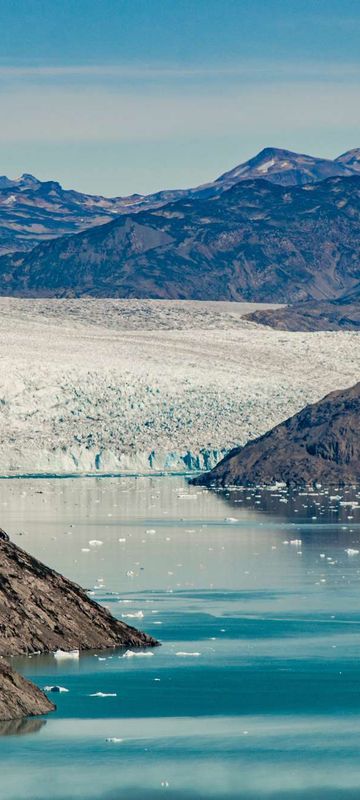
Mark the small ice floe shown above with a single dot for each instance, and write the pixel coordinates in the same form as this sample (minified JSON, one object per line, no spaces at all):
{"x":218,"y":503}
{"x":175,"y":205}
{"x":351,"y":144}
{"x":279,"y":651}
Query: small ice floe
{"x":133,"y":653}
{"x":296,"y":542}
{"x":231,"y":519}
{"x":59,"y":689}
{"x":184,"y":654}
{"x":351,"y":552}
{"x":114,"y":740}
{"x":134,"y":615}
{"x":122,"y":539}
{"x":151,"y":531}
{"x":62,"y":654}
{"x":85,"y":549}
{"x":103,"y":694}
{"x":95,"y":542}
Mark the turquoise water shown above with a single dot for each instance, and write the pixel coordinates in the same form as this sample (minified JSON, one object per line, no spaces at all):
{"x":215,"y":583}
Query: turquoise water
{"x":255,"y":691}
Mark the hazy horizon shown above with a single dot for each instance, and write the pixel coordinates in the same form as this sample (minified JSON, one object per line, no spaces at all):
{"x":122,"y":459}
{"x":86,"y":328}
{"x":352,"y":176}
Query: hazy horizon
{"x":207,"y":179}
{"x":116,"y":98}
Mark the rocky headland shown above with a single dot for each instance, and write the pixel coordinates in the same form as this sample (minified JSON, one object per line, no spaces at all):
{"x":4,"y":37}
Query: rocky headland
{"x":321,"y":444}
{"x":41,"y":612}
{"x":18,"y":697}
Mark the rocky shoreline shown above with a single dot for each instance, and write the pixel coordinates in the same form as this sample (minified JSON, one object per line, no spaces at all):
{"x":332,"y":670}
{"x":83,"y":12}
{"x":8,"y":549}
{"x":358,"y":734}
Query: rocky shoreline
{"x":41,"y":612}
{"x":18,"y":697}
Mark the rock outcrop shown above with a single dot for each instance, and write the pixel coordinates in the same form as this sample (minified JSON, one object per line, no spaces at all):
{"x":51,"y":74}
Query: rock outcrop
{"x":336,"y":315}
{"x":42,"y":611}
{"x":18,"y":697}
{"x":320,"y":444}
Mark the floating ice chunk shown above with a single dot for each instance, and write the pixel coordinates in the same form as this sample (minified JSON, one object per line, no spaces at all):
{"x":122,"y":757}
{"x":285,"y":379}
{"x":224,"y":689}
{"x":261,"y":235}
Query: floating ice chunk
{"x":231,"y":519}
{"x":114,"y":740}
{"x":103,"y":694}
{"x":135,"y":615}
{"x":59,"y":689}
{"x":184,"y":654}
{"x":133,"y":654}
{"x":62,"y":654}
{"x":351,"y":552}
{"x":95,"y":543}
{"x":296,"y":542}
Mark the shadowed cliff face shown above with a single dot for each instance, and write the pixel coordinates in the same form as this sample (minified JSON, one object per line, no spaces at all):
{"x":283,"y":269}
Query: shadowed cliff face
{"x":42,"y":611}
{"x":257,"y":241}
{"x":320,"y":444}
{"x":18,"y":697}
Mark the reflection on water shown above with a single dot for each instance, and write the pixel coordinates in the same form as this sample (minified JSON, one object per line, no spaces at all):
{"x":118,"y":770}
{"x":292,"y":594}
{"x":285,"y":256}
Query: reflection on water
{"x":255,"y":692}
{"x":21,"y":727}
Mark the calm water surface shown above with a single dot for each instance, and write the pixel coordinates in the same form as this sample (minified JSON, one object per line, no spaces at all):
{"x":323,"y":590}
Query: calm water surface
{"x":255,"y":596}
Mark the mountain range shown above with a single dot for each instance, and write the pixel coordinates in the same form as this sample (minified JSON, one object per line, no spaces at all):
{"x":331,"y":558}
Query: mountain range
{"x":282,"y":227}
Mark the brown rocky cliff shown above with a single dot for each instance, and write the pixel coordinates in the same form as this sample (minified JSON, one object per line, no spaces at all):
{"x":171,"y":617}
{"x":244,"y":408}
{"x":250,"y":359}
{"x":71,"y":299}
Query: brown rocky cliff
{"x":42,"y":611}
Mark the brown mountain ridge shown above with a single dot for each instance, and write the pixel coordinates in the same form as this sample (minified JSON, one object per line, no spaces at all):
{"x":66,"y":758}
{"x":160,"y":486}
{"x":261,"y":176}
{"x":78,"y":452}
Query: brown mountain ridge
{"x":320,"y":444}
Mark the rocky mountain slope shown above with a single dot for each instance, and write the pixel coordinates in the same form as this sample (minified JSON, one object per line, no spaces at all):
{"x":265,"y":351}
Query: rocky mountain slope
{"x":18,"y":697}
{"x":319,"y":444}
{"x":292,"y":169}
{"x":33,"y":211}
{"x":334,"y":315}
{"x":42,"y":611}
{"x":257,"y":241}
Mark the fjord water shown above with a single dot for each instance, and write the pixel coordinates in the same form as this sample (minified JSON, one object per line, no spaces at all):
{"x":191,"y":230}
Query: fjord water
{"x":255,"y":691}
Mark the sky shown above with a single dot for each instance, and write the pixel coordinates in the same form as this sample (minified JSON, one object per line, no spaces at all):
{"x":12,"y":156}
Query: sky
{"x":120,"y":96}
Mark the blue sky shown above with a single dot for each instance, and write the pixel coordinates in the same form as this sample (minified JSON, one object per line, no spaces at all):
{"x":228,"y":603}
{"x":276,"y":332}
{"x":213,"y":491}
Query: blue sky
{"x":119,"y":96}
